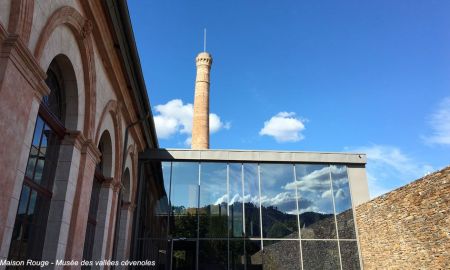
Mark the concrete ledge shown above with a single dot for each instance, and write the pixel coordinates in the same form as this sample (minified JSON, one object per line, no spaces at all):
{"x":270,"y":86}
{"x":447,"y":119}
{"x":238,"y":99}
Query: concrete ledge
{"x":252,"y":156}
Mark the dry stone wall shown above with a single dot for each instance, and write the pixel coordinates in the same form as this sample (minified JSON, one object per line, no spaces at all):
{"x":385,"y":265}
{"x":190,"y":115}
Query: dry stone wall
{"x":408,"y":228}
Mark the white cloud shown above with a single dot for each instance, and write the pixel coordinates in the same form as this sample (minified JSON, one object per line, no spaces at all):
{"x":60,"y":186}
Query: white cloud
{"x":440,"y":123}
{"x":388,"y":168}
{"x":174,"y":117}
{"x":284,"y":127}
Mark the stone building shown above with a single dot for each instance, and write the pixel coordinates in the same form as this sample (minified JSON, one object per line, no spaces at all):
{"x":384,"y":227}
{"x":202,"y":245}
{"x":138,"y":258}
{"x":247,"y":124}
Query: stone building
{"x":74,"y":115}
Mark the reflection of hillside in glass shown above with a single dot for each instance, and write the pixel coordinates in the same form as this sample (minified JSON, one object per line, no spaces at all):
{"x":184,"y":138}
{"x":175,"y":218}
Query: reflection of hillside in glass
{"x":314,"y":186}
{"x":214,"y":213}
{"x":277,"y":223}
{"x":279,"y":205}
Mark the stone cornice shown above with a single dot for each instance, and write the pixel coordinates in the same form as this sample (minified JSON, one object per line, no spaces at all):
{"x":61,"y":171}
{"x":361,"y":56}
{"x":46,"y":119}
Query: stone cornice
{"x":108,"y":182}
{"x":14,"y":49}
{"x":75,"y":138}
{"x":86,"y":146}
{"x":117,"y":186}
{"x":128,"y":206}
{"x":89,"y":148}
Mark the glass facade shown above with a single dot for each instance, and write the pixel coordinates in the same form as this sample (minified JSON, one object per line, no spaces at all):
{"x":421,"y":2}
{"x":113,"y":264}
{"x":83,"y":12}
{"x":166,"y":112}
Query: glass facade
{"x":225,"y":215}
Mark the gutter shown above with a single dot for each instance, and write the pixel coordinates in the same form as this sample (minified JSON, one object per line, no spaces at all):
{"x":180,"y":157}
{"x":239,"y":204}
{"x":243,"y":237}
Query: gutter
{"x":121,"y":24}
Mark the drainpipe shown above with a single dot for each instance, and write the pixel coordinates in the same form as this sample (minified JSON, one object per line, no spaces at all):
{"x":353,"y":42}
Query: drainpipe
{"x":119,"y":197}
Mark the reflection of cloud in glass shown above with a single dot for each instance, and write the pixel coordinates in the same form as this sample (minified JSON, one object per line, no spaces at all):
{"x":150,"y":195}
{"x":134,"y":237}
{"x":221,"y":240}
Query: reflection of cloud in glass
{"x":213,"y":183}
{"x":278,"y":199}
{"x":341,"y":188}
{"x":314,"y":181}
{"x":313,"y":187}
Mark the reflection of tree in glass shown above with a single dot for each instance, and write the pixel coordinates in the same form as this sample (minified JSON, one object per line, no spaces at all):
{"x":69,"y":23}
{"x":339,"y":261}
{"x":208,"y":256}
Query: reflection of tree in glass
{"x":213,"y":221}
{"x":184,"y":222}
{"x":213,"y":254}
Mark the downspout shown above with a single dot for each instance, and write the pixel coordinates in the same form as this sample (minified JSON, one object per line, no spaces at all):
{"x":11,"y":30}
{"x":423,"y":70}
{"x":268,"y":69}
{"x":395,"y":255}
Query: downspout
{"x":119,"y":197}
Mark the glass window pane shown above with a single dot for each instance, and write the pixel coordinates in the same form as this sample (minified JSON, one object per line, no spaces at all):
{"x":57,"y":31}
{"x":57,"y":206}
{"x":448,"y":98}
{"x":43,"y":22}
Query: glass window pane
{"x":44,"y":143}
{"x":38,"y":209}
{"x":343,"y":202}
{"x":32,"y":203}
{"x":349,"y":255}
{"x":184,"y":255}
{"x":320,"y":255}
{"x":281,"y":255}
{"x":251,"y":200}
{"x":184,"y":199}
{"x":213,"y":200}
{"x":14,"y":249}
{"x":278,"y":200}
{"x":166,"y":170}
{"x":162,"y":205}
{"x":253,"y":254}
{"x":237,"y":254}
{"x":31,"y":162}
{"x":37,"y":132}
{"x":236,"y":199}
{"x":23,"y":203}
{"x":213,"y":254}
{"x":316,"y":202}
{"x":38,"y":170}
{"x":51,"y":151}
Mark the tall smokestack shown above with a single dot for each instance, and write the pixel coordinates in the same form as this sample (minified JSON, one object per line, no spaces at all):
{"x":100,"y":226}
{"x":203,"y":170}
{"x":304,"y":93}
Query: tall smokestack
{"x":200,"y":126}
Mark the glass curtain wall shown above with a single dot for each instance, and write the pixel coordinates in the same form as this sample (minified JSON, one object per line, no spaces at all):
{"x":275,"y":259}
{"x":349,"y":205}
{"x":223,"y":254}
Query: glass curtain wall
{"x":254,"y":216}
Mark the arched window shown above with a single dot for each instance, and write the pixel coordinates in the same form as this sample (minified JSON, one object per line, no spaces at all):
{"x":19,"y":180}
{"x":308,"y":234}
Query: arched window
{"x":101,"y":175}
{"x":31,"y":219}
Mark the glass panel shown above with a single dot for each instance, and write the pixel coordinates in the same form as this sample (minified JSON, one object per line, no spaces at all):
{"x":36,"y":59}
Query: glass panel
{"x":39,"y":211}
{"x":237,"y":254}
{"x":51,"y":157}
{"x":23,"y":203}
{"x":315,"y":204}
{"x":213,"y":200}
{"x":37,"y":132}
{"x":251,"y":200}
{"x":253,"y":254}
{"x":184,"y":255}
{"x":38,"y":171}
{"x":320,"y":255}
{"x":44,"y":143}
{"x":213,"y":255}
{"x":349,"y":255}
{"x":163,"y":203}
{"x":184,"y":199}
{"x":14,"y":249}
{"x":32,"y":204}
{"x":166,"y":170}
{"x":154,"y":249}
{"x":279,"y":203}
{"x":31,"y":162}
{"x":236,"y":199}
{"x":160,"y":192}
{"x":343,"y":202}
{"x":282,"y":255}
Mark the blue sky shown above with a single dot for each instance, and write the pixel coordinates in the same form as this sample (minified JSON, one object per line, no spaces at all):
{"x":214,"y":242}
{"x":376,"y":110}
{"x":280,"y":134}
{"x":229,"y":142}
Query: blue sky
{"x":307,"y":76}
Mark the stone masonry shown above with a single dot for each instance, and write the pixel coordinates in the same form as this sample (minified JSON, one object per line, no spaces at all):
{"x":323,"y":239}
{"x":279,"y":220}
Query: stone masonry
{"x":408,"y":228}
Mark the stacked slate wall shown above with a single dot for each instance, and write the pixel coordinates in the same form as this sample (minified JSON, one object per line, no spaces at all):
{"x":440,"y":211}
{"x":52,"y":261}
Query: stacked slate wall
{"x":408,"y":228}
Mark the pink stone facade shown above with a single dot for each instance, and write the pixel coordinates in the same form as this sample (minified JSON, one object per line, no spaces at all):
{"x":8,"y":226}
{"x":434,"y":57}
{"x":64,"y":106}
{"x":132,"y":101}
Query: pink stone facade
{"x":32,"y":35}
